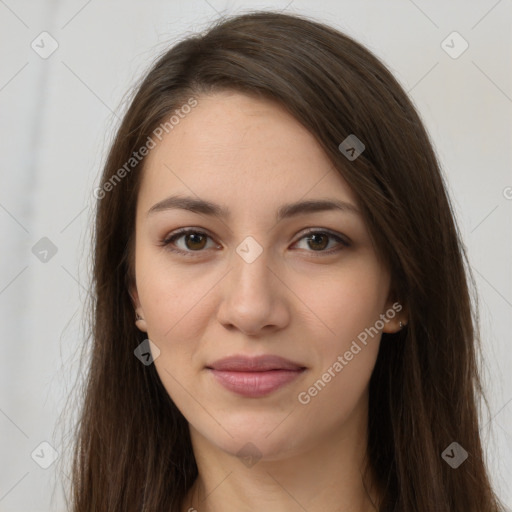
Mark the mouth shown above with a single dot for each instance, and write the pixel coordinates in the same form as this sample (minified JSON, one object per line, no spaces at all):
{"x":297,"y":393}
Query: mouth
{"x":255,"y":377}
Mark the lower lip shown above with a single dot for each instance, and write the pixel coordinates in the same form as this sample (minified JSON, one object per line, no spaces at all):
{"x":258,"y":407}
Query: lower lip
{"x":255,"y":384}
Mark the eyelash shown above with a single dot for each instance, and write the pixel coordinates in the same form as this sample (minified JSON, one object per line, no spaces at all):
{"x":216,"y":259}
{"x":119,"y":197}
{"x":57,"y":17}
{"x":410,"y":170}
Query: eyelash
{"x":166,"y":243}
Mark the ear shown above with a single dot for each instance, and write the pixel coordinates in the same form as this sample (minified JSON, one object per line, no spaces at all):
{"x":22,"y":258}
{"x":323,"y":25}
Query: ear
{"x":394,"y":313}
{"x":140,"y":320}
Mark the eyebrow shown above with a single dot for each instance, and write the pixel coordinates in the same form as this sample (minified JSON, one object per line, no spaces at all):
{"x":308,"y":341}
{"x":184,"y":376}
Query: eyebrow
{"x":285,"y":211}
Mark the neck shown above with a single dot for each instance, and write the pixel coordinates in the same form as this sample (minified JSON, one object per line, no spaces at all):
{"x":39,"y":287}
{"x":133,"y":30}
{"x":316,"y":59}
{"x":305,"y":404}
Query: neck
{"x":327,"y":475}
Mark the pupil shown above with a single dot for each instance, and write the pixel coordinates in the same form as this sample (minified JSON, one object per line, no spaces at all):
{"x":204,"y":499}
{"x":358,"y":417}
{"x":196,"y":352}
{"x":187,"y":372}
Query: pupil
{"x":196,"y":236}
{"x":312,"y":238}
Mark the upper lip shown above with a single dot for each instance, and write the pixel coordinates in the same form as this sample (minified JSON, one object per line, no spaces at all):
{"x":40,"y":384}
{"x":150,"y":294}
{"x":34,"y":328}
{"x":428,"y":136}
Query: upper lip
{"x":240,"y":363}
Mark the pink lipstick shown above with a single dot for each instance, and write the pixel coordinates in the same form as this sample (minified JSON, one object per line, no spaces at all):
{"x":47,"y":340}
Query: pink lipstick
{"x":255,"y":376}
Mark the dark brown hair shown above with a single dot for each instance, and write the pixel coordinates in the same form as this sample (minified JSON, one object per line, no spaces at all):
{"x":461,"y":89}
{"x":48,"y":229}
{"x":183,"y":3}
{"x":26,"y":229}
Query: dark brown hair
{"x":133,"y":450}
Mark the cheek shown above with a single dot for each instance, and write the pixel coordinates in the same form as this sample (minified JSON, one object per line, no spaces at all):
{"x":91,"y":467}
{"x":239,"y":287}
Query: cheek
{"x":174,"y":305}
{"x":346,"y":307}
{"x":177,"y":307}
{"x":346,"y":303}
{"x":173,"y":299}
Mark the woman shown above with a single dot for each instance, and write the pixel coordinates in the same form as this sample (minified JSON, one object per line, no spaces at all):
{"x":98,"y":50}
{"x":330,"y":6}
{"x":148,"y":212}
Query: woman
{"x":282,"y":317}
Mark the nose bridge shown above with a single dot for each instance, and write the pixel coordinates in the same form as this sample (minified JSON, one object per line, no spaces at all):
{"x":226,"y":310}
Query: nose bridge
{"x":251,"y":270}
{"x":251,"y":296}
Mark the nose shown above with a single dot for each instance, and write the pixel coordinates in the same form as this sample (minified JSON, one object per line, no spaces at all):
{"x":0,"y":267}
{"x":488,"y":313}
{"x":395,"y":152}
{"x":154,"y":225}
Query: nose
{"x":254,"y":297}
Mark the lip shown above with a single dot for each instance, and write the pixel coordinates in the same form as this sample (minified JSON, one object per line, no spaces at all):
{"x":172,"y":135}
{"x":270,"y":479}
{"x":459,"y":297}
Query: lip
{"x":241,"y":363}
{"x":255,"y":376}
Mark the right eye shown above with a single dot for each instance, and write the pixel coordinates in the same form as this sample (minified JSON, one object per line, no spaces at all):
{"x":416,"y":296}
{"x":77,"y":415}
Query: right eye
{"x":193,"y":241}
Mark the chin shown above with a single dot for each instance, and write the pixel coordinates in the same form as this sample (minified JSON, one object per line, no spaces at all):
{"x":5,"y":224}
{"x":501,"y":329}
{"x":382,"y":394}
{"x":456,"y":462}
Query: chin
{"x":263,"y":439}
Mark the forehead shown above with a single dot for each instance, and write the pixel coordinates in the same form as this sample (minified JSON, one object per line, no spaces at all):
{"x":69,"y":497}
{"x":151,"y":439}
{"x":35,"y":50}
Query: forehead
{"x":239,"y":145}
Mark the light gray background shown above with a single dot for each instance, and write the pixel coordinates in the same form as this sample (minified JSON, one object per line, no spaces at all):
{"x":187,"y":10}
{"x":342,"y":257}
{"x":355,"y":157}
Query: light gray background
{"x":59,"y":113}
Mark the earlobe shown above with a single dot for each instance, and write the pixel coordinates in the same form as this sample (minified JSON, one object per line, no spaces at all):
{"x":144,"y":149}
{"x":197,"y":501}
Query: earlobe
{"x":140,"y":321}
{"x":394,"y":326}
{"x":397,"y":317}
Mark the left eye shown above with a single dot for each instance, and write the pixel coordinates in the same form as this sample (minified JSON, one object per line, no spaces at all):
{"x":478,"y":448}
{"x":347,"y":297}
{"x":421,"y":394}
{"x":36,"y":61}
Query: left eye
{"x":320,"y":239}
{"x":195,"y":241}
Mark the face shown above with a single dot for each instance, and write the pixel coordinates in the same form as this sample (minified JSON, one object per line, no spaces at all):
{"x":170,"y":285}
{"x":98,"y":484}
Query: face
{"x":257,"y":278}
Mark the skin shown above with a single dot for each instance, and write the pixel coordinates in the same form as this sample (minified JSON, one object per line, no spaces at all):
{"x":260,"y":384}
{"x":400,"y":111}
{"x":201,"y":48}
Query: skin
{"x":294,"y":300}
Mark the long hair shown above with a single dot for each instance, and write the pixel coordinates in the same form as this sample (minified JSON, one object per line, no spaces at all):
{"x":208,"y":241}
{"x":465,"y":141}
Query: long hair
{"x":133,"y":451}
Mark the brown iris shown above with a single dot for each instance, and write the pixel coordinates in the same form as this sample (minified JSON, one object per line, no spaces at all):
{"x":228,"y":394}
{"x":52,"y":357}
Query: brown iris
{"x":314,"y":236}
{"x":195,"y":239}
